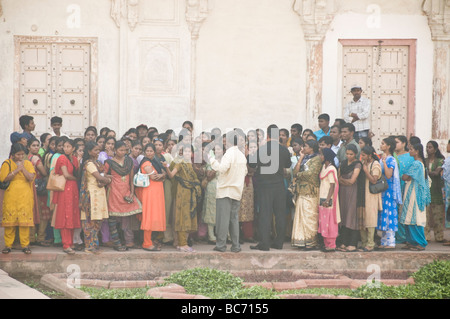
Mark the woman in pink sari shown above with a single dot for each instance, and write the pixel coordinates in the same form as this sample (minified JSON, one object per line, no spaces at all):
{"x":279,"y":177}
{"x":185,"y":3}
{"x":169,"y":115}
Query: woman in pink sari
{"x":329,"y":213}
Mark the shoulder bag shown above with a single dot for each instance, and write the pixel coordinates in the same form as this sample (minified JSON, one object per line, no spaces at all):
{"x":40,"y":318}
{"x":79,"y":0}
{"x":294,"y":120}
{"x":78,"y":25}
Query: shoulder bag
{"x":56,"y":182}
{"x":5,"y":185}
{"x":380,"y":186}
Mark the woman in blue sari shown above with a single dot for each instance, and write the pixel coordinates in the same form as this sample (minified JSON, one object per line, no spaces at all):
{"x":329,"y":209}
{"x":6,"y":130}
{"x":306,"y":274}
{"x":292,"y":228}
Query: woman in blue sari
{"x":391,"y":198}
{"x":404,"y":160}
{"x":416,"y":198}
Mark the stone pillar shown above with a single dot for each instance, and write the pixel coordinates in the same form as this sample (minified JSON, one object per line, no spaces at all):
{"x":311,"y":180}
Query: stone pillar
{"x":438,"y":13}
{"x":196,"y":13}
{"x":315,"y":17}
{"x":125,"y":14}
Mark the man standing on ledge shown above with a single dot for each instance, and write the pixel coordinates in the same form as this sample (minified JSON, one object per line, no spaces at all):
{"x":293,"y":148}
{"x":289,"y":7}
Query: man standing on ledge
{"x":357,"y":112}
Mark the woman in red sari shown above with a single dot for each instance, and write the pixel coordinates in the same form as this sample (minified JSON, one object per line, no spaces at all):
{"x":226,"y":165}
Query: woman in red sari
{"x":67,"y":211}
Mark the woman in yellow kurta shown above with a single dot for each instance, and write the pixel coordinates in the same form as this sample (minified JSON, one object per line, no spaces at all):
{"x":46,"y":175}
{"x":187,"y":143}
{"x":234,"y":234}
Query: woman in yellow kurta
{"x":18,"y":201}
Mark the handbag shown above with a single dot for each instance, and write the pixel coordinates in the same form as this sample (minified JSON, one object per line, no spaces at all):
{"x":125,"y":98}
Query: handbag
{"x":5,"y":185}
{"x":141,"y":180}
{"x":323,"y":200}
{"x":41,"y":186}
{"x":380,"y":186}
{"x":56,"y":182}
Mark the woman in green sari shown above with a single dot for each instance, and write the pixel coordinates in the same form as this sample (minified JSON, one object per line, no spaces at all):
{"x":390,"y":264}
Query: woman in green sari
{"x":187,"y":194}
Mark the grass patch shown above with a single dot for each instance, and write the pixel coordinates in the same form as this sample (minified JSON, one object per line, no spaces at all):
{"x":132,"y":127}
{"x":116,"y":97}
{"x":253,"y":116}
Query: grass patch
{"x":48,"y":292}
{"x":217,"y":284}
{"x":431,"y":282}
{"x":319,"y":291}
{"x":125,"y":293}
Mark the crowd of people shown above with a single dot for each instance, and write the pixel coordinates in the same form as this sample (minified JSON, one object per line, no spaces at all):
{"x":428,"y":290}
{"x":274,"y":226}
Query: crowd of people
{"x":328,"y":190}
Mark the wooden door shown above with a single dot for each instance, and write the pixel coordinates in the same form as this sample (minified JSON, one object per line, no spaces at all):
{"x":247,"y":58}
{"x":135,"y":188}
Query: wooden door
{"x":54,"y":80}
{"x":72,"y":78}
{"x":36,"y":84}
{"x":383,"y":72}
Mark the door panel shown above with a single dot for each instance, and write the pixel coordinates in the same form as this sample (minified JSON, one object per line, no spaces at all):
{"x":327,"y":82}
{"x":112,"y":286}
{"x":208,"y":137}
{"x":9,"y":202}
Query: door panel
{"x":384,"y":82}
{"x":35,"y":84}
{"x":55,"y":81}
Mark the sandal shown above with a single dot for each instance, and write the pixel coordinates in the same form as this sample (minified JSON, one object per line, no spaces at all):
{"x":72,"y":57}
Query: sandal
{"x":27,"y":250}
{"x":351,"y":250}
{"x":120,"y":248}
{"x":6,"y":250}
{"x":186,"y":250}
{"x":417,"y":248}
{"x":341,"y":248}
{"x":69,"y":251}
{"x":151,"y":248}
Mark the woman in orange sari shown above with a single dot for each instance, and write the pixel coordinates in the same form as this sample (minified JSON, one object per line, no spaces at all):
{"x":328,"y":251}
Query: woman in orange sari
{"x":152,"y":198}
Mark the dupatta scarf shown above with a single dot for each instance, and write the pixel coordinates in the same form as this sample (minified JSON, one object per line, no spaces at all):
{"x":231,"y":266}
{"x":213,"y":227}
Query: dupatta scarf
{"x":122,"y":170}
{"x":188,"y":179}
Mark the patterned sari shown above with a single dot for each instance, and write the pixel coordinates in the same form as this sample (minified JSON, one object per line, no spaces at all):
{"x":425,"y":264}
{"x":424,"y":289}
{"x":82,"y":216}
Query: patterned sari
{"x":306,"y":219}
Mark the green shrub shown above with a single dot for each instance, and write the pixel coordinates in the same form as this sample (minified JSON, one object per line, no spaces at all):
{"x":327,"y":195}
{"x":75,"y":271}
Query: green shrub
{"x":217,"y":284}
{"x":432,"y":281}
{"x":205,"y":281}
{"x":103,"y":293}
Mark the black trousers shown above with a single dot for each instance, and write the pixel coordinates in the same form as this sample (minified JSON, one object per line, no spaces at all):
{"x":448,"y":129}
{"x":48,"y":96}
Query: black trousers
{"x":272,"y":201}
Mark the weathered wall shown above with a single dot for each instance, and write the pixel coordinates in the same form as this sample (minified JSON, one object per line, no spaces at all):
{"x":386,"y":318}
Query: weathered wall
{"x":352,"y":25}
{"x":232,"y":63}
{"x":50,"y":18}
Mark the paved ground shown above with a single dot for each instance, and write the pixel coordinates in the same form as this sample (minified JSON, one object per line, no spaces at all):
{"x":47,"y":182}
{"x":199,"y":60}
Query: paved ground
{"x":52,"y":259}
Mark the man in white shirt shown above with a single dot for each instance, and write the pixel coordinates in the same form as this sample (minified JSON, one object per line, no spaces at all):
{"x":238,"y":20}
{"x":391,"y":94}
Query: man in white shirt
{"x":232,"y":170}
{"x":357,"y":112}
{"x":56,"y":124}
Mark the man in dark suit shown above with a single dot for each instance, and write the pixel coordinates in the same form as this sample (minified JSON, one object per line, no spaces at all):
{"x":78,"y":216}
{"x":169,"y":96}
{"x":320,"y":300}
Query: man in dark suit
{"x":270,"y":161}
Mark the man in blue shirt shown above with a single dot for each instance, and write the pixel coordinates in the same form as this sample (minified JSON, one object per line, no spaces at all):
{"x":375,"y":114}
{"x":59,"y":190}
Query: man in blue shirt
{"x":324,"y":124}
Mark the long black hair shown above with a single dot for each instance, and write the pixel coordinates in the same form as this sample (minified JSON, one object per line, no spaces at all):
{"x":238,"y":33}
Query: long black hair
{"x":89,"y":146}
{"x":16,"y":148}
{"x":419,"y":148}
{"x":389,"y":141}
{"x":403,"y":139}
{"x":369,"y":150}
{"x":436,"y":148}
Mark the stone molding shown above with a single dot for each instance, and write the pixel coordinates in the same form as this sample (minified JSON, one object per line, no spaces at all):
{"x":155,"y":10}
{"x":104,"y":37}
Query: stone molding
{"x":196,"y":13}
{"x":438,"y":13}
{"x":127,"y":9}
{"x":315,"y":17}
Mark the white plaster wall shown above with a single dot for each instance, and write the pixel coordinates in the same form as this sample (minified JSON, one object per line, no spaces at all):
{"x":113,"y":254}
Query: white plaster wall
{"x":251,"y":65}
{"x":351,"y":25}
{"x":50,"y":17}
